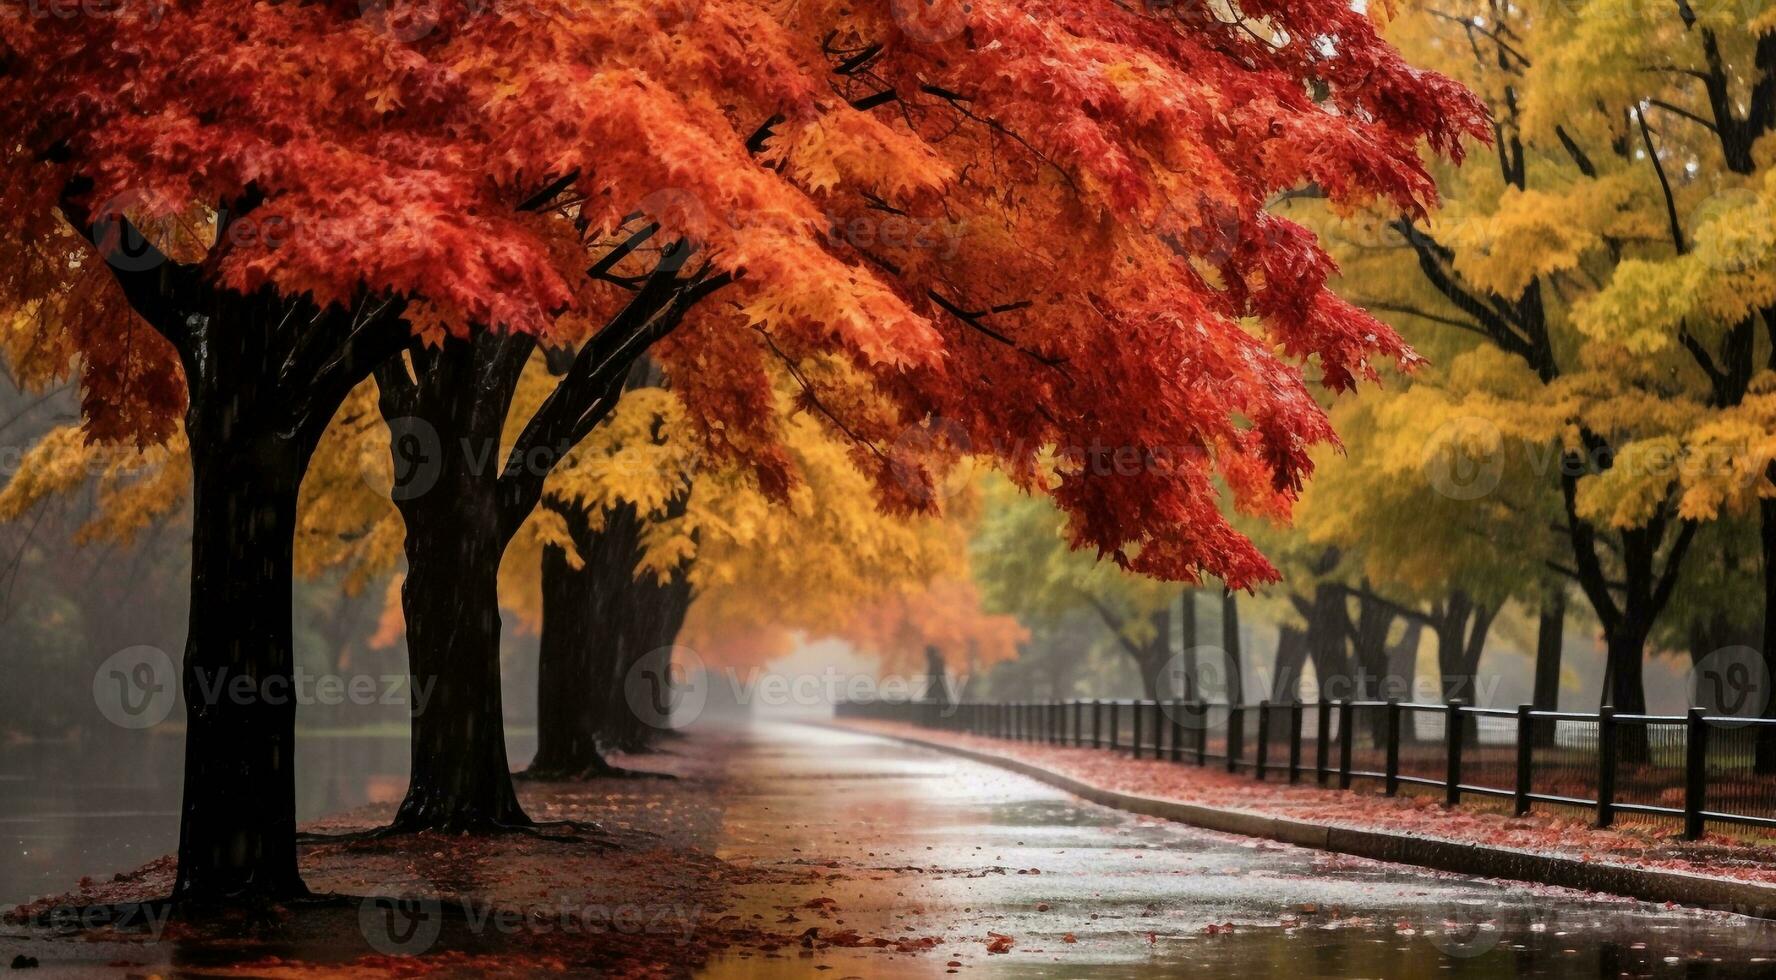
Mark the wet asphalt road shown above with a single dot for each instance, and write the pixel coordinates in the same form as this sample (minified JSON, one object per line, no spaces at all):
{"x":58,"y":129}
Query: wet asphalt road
{"x":846,"y":833}
{"x":910,"y":842}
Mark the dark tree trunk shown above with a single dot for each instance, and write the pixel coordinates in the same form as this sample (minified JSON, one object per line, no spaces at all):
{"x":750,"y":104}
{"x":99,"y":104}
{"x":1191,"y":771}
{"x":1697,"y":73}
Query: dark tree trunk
{"x":1153,"y":658}
{"x":1402,"y":670}
{"x":461,"y":780}
{"x":634,"y":620}
{"x":1291,"y":657}
{"x":567,"y":688}
{"x":446,"y":425}
{"x":1328,"y":634}
{"x":647,"y":621}
{"x":1462,"y":627}
{"x":1625,"y":654}
{"x":1188,"y":686}
{"x":1369,"y":649}
{"x":237,"y":832}
{"x":1152,"y":669}
{"x":1230,"y":641}
{"x":937,"y":687}
{"x":1550,"y":642}
{"x":1236,"y":682}
{"x":258,"y":405}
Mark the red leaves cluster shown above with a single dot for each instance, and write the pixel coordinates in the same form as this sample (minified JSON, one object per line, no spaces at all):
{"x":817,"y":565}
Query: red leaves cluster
{"x":1041,"y":222}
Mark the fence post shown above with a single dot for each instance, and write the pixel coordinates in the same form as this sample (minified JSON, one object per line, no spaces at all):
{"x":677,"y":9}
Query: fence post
{"x":1115,"y":723}
{"x":1453,"y":733}
{"x":1525,"y":758}
{"x":1323,"y":745}
{"x":1606,"y":766}
{"x":1295,"y":741}
{"x":1391,"y":784}
{"x":1236,"y":734}
{"x":1057,"y":723}
{"x":1136,"y":710}
{"x":1078,"y":723}
{"x":1201,"y":708}
{"x":1177,"y":730}
{"x":1159,"y":724}
{"x":1695,"y":775}
{"x":1097,"y":723}
{"x":1346,"y":738}
{"x":1262,"y":756}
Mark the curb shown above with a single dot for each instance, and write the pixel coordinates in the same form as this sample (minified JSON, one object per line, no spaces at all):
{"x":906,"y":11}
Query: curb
{"x":1458,"y":857}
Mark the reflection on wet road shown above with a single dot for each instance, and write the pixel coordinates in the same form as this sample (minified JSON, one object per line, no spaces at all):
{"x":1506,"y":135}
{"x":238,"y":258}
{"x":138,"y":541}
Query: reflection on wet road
{"x":856,"y":833}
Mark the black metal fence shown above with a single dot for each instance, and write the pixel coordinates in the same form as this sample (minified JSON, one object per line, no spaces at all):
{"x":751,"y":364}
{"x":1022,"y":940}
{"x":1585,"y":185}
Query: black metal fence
{"x":1695,"y":768}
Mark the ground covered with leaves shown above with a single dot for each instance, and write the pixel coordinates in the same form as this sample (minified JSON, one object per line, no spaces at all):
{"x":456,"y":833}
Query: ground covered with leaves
{"x":1568,"y":831}
{"x":644,"y":895}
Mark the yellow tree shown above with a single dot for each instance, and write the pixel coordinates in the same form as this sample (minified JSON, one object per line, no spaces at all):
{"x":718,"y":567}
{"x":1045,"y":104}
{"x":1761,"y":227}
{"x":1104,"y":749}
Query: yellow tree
{"x":642,"y":536}
{"x":1574,"y":290}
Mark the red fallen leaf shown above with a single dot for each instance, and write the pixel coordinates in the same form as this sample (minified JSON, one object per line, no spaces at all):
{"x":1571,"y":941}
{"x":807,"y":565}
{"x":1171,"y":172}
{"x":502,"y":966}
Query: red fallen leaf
{"x":1042,"y":906}
{"x":998,"y":942}
{"x":919,"y":945}
{"x":822,"y":902}
{"x":1069,"y":938}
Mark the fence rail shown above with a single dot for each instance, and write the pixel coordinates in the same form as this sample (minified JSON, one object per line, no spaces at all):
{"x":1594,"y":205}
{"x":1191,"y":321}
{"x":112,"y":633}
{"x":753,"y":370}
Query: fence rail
{"x":1695,"y":768}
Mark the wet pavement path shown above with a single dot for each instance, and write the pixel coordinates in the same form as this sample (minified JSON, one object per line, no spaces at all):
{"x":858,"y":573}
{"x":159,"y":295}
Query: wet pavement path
{"x":850,"y":833}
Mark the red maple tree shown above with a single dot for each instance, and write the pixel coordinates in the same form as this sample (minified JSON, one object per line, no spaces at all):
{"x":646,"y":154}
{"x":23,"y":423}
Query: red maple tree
{"x":1001,"y":227}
